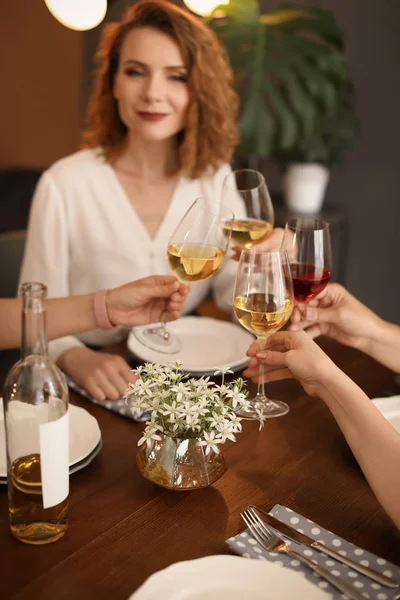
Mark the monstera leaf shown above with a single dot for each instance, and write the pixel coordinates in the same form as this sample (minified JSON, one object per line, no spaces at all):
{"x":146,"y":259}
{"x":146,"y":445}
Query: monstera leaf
{"x":290,"y":70}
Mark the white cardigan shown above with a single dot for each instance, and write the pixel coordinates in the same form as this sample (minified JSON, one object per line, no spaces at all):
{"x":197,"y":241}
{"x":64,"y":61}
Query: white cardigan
{"x":85,"y":235}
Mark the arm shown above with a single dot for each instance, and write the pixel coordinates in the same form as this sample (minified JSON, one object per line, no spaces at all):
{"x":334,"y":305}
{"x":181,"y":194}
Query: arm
{"x":335,"y":312}
{"x":383,"y":344}
{"x":143,"y":301}
{"x":372,"y":439}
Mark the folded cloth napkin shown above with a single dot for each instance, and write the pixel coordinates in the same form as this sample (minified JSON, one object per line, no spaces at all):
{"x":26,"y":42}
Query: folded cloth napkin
{"x":117,"y":406}
{"x":245,"y":545}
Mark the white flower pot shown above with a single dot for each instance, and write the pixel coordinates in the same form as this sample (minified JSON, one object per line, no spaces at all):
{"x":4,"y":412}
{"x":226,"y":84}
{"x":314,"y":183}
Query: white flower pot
{"x":304,"y":187}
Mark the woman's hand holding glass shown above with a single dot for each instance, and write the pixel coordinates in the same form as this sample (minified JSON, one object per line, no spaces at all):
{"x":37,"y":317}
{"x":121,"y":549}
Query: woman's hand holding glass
{"x":263,"y":303}
{"x":291,"y":355}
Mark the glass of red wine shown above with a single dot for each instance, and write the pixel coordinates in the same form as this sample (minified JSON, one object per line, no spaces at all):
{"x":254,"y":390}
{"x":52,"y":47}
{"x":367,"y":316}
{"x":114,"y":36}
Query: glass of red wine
{"x":308,"y":244}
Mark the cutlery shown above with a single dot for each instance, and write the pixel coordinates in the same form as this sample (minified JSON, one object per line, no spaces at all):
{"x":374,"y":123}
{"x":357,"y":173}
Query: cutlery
{"x":300,"y":538}
{"x":272,"y":543}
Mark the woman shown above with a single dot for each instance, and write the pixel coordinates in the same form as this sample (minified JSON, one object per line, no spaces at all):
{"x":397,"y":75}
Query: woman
{"x":161,"y":132}
{"x":292,"y":354}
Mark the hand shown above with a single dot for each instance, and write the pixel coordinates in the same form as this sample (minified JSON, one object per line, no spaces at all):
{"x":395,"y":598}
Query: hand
{"x":335,"y":312}
{"x":149,"y":300}
{"x":291,"y":355}
{"x":102,"y":375}
{"x":273,"y":242}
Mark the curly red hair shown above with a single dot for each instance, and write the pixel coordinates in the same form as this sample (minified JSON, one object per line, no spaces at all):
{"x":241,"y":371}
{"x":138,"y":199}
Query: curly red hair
{"x":210,"y":134}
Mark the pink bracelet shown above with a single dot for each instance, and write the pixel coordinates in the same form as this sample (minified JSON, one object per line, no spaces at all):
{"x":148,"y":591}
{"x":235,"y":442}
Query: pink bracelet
{"x":100,"y":310}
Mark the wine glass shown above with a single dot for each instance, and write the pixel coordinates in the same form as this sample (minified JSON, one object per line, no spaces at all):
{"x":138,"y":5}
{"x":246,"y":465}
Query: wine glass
{"x":196,"y":251}
{"x":250,"y":186}
{"x":307,"y":241}
{"x":263,"y":303}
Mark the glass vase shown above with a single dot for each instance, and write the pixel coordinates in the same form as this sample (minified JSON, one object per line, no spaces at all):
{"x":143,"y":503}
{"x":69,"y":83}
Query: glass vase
{"x":179,"y":464}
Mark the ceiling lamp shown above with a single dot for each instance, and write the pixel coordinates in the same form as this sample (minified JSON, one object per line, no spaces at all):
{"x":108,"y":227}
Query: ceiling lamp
{"x":204,"y":7}
{"x":78,"y":14}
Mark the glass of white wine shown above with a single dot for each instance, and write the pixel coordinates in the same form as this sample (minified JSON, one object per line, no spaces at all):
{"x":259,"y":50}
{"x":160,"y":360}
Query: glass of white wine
{"x":263,"y":303}
{"x":196,"y":251}
{"x":258,"y":224}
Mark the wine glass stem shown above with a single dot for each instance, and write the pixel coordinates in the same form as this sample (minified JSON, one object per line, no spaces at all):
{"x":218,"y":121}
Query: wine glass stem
{"x":261,"y":386}
{"x":164,"y":331}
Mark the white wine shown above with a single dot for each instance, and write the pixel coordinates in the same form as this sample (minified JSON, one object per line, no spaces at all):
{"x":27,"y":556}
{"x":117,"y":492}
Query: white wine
{"x":194,"y":262}
{"x":261,"y":316}
{"x":246,"y":233}
{"x":29,"y":521}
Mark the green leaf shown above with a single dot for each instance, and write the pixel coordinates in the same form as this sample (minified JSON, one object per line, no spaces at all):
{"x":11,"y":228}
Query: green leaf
{"x":242,"y":10}
{"x":292,"y":76}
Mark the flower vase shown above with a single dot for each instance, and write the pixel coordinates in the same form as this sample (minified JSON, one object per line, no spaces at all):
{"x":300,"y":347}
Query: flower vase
{"x":179,"y":464}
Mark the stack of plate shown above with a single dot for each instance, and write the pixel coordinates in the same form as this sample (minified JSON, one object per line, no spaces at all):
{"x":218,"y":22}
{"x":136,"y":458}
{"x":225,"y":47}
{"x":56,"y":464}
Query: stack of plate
{"x":85,"y":440}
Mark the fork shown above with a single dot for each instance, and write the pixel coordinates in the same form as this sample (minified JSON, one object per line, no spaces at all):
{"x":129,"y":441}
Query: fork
{"x":273,"y":543}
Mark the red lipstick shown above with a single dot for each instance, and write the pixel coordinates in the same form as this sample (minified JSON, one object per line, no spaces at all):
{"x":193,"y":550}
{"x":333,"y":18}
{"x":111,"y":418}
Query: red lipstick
{"x":152,"y":116}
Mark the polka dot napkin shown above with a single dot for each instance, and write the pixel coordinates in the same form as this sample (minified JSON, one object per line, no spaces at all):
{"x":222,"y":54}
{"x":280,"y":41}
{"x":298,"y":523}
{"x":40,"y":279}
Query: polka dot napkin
{"x":116,"y":406}
{"x":245,"y":545}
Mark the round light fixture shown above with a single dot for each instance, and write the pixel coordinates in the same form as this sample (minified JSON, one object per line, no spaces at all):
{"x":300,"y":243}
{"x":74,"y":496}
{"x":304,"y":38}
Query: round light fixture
{"x":78,"y":14}
{"x":204,"y":7}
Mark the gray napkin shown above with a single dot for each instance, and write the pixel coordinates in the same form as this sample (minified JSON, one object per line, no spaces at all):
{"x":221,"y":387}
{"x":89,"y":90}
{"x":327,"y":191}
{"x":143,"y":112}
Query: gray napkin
{"x":245,"y":545}
{"x":116,"y":406}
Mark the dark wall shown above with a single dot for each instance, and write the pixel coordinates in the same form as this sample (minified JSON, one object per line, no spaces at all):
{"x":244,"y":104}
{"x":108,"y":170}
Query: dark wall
{"x":41,"y":83}
{"x":367,"y":183}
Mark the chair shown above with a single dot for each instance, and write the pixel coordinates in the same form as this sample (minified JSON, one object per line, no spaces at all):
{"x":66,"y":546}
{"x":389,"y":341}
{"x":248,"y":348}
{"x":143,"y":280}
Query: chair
{"x":11,"y":252}
{"x":12,"y":245}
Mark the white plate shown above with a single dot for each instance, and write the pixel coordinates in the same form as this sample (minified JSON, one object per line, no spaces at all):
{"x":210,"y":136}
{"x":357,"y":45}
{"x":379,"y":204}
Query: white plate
{"x":85,"y":437}
{"x":206,"y":345}
{"x":390,"y":408}
{"x":233,"y":577}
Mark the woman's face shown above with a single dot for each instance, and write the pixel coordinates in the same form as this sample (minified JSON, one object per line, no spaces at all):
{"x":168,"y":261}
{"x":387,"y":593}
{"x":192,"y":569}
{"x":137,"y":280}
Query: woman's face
{"x":150,"y":85}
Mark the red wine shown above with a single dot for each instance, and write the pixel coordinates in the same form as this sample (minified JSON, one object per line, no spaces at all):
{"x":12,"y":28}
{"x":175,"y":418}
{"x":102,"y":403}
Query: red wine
{"x":308,"y":281}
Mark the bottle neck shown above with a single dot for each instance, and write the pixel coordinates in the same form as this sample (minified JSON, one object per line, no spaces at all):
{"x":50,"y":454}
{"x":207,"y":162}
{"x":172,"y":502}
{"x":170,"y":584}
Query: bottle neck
{"x":34,"y":340}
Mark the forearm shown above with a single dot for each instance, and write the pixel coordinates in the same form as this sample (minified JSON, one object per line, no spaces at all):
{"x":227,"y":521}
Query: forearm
{"x":383,"y":344}
{"x":64,"y":316}
{"x":373,"y":441}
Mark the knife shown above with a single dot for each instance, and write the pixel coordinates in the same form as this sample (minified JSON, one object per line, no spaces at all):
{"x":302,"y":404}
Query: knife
{"x":302,"y":538}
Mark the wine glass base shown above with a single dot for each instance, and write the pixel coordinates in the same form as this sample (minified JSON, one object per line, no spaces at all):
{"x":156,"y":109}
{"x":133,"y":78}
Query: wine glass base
{"x":270,"y":409}
{"x":153,"y":338}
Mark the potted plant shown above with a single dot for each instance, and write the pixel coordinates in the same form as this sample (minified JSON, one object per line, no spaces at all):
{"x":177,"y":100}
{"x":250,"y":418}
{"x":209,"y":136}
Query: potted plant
{"x":189,"y":420}
{"x":307,"y":165}
{"x":297,"y":99}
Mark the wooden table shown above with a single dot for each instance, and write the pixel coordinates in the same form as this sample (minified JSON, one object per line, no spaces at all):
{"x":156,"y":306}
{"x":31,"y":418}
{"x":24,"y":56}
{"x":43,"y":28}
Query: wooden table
{"x":122,"y":528}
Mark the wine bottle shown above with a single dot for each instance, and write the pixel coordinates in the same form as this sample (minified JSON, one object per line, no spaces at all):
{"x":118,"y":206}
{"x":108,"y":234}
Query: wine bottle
{"x":37,"y":432}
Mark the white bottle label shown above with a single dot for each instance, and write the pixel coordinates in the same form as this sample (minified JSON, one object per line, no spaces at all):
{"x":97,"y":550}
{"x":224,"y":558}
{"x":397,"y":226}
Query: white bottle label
{"x":54,"y":460}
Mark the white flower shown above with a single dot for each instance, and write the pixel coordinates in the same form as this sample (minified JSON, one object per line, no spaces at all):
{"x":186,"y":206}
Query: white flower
{"x":189,"y":413}
{"x":261,"y":418}
{"x":180,"y":389}
{"x":210,"y":442}
{"x":171,"y":411}
{"x":149,"y":436}
{"x":236,"y":396}
{"x":144,"y":387}
{"x":223,"y":389}
{"x":139,"y":404}
{"x":236,"y":423}
{"x":223,"y":370}
{"x":226,"y":431}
